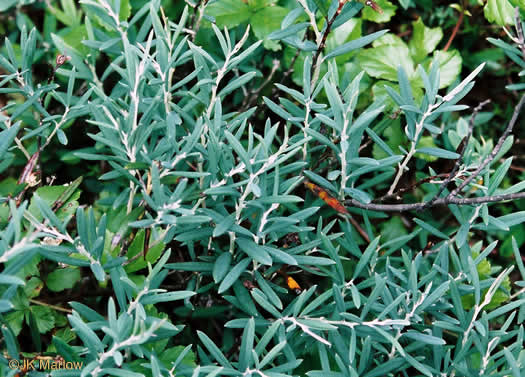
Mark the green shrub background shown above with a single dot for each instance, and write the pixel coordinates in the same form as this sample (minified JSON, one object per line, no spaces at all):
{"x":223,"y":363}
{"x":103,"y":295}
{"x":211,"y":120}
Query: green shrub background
{"x":153,"y":206}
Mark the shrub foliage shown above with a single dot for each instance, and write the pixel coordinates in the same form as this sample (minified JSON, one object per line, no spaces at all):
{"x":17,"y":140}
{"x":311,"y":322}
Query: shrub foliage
{"x":247,"y":188}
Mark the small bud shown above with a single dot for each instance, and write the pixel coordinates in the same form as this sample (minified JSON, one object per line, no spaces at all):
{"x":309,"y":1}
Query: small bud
{"x":61,"y":59}
{"x":248,"y":284}
{"x":32,"y":180}
{"x":51,"y":241}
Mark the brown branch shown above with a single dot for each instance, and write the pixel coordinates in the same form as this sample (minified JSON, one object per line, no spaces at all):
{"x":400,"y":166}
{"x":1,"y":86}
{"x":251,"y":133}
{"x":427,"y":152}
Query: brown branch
{"x":196,"y":21}
{"x":465,"y":142}
{"x":291,"y":68}
{"x":292,"y":64}
{"x":441,"y":201}
{"x":454,"y":31}
{"x":254,"y":95}
{"x":317,"y":56}
{"x":359,"y":229}
{"x":403,"y":190}
{"x":517,"y":168}
{"x":275,"y":90}
{"x":55,"y":307}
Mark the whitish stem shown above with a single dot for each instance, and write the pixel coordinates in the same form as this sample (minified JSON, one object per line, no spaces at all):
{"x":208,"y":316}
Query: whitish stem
{"x":419,"y":130}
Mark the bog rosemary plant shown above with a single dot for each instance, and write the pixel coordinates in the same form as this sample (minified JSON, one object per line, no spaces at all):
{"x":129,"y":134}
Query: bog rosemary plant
{"x":197,"y":250}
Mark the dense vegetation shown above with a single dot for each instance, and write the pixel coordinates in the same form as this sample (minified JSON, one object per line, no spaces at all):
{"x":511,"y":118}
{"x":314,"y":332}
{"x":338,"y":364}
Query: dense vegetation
{"x":262,"y":188}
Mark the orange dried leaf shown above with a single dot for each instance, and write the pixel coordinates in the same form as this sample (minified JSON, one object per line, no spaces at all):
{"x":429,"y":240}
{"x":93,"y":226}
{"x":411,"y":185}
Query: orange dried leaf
{"x":292,"y":284}
{"x":335,"y":204}
{"x":327,"y":198}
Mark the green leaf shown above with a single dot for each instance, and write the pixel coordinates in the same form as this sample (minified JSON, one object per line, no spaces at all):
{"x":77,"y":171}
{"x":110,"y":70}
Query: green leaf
{"x":424,"y":40}
{"x":229,"y":13}
{"x":394,"y":138}
{"x":500,"y":12}
{"x":449,"y":66}
{"x":137,"y":247}
{"x":33,"y":287}
{"x":62,"y":278}
{"x":125,"y":10}
{"x":426,"y":142}
{"x":382,"y":61}
{"x":266,"y":21}
{"x":171,"y":355}
{"x":288,"y":32}
{"x":65,"y":197}
{"x":74,"y":37}
{"x":392,"y":229}
{"x":16,"y":320}
{"x":44,"y":318}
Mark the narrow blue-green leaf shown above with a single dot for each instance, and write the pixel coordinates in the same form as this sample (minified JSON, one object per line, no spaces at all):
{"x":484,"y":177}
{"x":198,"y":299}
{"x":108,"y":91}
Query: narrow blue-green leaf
{"x":272,"y":354}
{"x":430,"y":229}
{"x":224,"y":225}
{"x":358,"y":195}
{"x":191,"y":266}
{"x":320,"y":180}
{"x":424,"y":338}
{"x":213,"y":349}
{"x":7,"y":137}
{"x":504,"y":309}
{"x":10,"y":342}
{"x":261,"y":299}
{"x":238,"y":82}
{"x":434,"y":296}
{"x":268,"y":291}
{"x":247,"y":340}
{"x":363,"y":261}
{"x":166,"y":297}
{"x":5,"y":306}
{"x":313,"y":261}
{"x":281,"y":256}
{"x":254,"y":250}
{"x":234,"y":274}
{"x":237,"y":147}
{"x":514,"y":367}
{"x":290,"y":30}
{"x":11,"y":280}
{"x":438,"y":152}
{"x":355,"y":44}
{"x":221,"y":266}
{"x":85,"y":333}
